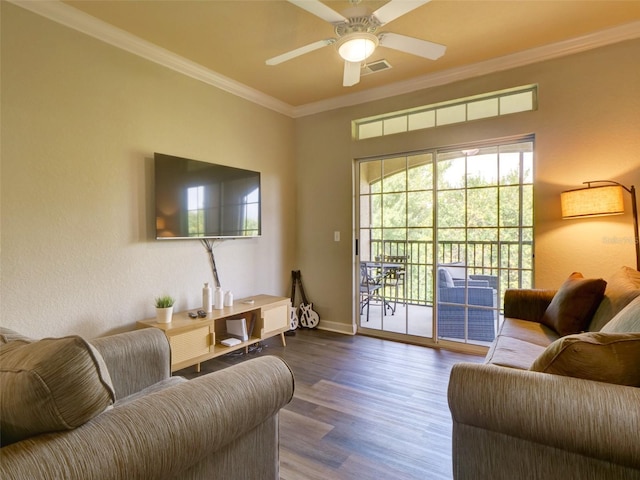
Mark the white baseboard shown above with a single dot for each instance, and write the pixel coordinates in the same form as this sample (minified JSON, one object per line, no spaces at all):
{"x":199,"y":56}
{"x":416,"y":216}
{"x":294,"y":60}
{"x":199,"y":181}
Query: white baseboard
{"x":338,"y":327}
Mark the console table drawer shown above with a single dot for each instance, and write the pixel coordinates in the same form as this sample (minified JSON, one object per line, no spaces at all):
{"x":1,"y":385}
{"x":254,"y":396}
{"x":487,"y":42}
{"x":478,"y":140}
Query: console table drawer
{"x":188,"y":345}
{"x":275,"y":318}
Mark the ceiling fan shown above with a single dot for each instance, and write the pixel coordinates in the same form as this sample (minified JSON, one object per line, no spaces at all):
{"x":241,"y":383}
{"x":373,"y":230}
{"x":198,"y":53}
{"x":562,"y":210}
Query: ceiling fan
{"x":357,"y":37}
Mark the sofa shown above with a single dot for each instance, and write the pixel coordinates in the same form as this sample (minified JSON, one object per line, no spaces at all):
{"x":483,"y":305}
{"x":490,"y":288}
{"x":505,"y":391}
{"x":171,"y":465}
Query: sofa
{"x":557,"y":396}
{"x":109,"y":409}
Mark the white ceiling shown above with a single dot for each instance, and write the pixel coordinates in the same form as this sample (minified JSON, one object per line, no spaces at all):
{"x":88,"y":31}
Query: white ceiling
{"x":227,"y":42}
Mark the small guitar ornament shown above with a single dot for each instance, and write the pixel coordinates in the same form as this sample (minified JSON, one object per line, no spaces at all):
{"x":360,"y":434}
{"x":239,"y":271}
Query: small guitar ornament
{"x":308,"y":317}
{"x":293,"y":311}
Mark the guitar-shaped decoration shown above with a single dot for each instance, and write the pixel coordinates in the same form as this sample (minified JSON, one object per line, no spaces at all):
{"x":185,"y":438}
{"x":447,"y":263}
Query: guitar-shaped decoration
{"x":293,"y":311}
{"x":308,"y":317}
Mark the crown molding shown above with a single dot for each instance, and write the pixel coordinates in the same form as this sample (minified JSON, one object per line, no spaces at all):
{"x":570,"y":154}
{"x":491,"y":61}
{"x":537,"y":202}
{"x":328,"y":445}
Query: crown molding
{"x":70,"y":17}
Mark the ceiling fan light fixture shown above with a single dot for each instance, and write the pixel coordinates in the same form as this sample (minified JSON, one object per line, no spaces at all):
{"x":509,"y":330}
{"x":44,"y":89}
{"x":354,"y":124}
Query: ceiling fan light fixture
{"x":357,"y":47}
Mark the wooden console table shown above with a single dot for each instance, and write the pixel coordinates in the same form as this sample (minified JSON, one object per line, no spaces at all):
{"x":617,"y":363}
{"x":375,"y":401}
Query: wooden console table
{"x":195,"y":340}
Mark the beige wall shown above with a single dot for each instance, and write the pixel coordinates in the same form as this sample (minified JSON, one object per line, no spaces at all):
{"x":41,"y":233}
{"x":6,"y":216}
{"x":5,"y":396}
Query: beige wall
{"x":80,"y":123}
{"x":587,"y":127}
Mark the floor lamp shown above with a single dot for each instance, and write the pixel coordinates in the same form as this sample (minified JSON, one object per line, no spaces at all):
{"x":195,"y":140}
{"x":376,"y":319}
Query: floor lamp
{"x":600,"y":200}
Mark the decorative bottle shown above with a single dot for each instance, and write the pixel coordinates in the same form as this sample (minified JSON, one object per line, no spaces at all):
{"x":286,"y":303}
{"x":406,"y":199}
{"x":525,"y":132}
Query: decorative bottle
{"x":207,"y":298}
{"x":228,"y":299}
{"x":218,"y":302}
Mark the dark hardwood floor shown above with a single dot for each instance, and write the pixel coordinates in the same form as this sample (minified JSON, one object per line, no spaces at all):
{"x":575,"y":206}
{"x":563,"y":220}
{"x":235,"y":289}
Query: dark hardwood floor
{"x":364,"y":408}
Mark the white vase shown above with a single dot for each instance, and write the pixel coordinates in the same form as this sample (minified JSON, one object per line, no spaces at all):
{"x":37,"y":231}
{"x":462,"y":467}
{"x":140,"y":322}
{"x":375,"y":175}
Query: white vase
{"x":163,"y":315}
{"x":218,"y":299}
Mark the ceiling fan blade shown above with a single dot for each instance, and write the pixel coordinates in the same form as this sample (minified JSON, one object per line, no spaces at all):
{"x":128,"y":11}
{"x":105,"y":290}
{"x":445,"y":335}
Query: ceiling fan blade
{"x":300,"y":51}
{"x":319,"y":9}
{"x":414,"y":46}
{"x":351,"y":73}
{"x":396,"y":8}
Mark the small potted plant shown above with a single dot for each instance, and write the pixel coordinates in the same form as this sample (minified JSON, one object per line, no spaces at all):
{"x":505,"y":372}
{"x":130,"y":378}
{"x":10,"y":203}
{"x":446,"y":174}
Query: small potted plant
{"x":164,"y":308}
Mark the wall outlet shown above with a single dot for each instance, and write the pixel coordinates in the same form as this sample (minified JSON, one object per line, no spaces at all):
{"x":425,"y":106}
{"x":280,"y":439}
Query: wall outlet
{"x":336,"y":236}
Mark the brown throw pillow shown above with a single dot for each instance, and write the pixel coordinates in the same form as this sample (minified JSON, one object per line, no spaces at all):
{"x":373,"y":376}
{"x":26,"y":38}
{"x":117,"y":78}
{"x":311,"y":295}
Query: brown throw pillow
{"x":49,"y":385}
{"x":603,"y":357}
{"x":574,"y":304}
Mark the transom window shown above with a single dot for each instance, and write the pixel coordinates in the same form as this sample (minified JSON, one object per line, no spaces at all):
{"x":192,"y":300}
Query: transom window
{"x":492,"y":104}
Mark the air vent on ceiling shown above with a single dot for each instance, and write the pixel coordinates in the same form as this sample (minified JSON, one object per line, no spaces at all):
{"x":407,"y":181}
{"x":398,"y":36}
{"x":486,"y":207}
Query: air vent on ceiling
{"x":375,"y":67}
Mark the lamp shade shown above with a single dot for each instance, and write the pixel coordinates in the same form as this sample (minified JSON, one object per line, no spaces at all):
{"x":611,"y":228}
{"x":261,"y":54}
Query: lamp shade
{"x":357,"y":47}
{"x":592,"y":201}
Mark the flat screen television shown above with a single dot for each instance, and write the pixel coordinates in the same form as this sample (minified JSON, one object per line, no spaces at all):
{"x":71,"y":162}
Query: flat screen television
{"x":197,"y":200}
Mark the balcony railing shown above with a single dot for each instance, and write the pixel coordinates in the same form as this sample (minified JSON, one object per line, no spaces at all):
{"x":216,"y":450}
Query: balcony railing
{"x":511,"y":262}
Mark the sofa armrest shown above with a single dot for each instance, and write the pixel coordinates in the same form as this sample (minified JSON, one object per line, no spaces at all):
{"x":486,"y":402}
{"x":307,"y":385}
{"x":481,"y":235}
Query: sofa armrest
{"x":162,"y":434}
{"x":135,"y":360}
{"x":592,"y":419}
{"x":527,"y":304}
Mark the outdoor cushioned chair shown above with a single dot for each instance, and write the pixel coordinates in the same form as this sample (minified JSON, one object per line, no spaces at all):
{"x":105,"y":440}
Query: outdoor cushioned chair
{"x":454,"y":298}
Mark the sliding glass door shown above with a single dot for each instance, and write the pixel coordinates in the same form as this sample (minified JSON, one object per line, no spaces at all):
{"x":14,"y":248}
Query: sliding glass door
{"x":395,"y":238}
{"x":441,"y":235}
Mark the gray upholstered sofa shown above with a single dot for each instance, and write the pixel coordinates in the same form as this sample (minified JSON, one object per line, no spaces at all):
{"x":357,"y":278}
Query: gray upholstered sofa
{"x":550,"y":405}
{"x":221,"y":425}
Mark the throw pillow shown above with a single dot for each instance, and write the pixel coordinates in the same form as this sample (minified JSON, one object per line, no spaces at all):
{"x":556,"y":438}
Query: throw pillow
{"x":574,"y":304}
{"x":622,"y":287}
{"x":49,"y":385}
{"x":445,"y":279}
{"x":603,"y":357}
{"x":456,"y":270}
{"x":7,"y":335}
{"x":628,"y":320}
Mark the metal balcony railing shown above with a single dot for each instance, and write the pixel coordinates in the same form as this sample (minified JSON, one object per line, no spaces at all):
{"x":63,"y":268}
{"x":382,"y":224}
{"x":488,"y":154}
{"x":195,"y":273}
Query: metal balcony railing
{"x":511,"y":262}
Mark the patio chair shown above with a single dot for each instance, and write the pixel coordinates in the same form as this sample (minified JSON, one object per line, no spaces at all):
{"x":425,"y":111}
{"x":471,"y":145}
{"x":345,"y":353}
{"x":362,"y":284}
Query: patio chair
{"x":394,"y":277}
{"x":370,"y":283}
{"x":455,"y":300}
